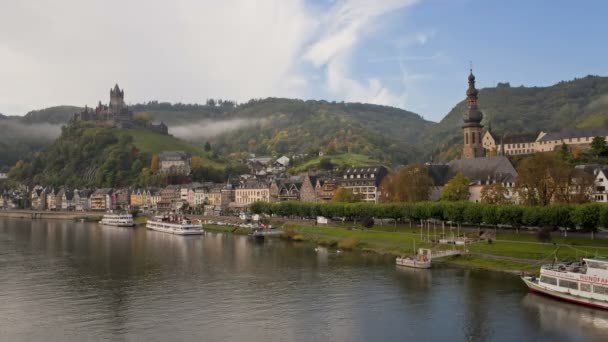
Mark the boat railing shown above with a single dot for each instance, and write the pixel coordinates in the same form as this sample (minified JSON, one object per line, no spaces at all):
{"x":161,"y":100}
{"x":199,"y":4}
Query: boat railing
{"x":565,"y":267}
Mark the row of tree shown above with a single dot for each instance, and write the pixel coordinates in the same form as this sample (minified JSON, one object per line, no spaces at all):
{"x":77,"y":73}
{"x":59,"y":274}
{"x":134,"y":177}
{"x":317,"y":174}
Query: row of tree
{"x":588,"y":216}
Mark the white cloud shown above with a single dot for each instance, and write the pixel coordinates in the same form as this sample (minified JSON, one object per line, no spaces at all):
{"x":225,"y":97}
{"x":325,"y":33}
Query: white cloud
{"x":345,"y":25}
{"x":72,"y":51}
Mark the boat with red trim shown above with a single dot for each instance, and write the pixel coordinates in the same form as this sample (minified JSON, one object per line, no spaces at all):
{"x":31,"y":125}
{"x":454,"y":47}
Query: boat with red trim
{"x":584,"y":282}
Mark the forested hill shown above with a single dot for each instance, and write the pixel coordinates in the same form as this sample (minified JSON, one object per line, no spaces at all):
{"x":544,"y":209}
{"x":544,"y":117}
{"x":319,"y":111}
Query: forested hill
{"x":581,"y":102}
{"x":293,"y":126}
{"x":282,"y":126}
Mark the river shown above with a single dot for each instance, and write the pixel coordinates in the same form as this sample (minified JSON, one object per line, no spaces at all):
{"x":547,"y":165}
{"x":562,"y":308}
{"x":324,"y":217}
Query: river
{"x":62,"y":280}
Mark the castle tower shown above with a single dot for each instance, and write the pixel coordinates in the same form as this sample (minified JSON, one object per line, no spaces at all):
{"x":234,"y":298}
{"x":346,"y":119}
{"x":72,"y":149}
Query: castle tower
{"x":117,"y":100}
{"x":473,"y":147}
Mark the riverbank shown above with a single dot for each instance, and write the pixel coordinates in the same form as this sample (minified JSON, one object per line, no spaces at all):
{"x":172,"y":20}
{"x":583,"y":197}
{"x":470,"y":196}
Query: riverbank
{"x":509,"y":252}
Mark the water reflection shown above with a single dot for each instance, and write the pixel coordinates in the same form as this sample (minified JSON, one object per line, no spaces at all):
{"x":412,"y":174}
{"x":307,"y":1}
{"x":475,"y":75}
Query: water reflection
{"x":565,"y":319}
{"x":68,"y":280}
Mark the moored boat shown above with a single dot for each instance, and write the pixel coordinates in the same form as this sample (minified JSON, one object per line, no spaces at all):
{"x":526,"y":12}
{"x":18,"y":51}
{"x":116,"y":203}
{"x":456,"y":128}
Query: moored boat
{"x":175,"y":224}
{"x":420,"y":260}
{"x":118,"y":220}
{"x":584,"y":283}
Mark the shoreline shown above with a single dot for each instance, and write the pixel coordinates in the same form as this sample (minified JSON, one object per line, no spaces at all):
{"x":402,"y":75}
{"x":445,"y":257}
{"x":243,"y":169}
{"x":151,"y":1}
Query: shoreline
{"x":465,"y":261}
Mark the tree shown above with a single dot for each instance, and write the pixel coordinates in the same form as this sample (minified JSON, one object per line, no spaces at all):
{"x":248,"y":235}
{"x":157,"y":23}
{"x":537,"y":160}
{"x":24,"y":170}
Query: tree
{"x":598,"y":146}
{"x":143,"y":117}
{"x":456,"y":189}
{"x":346,"y":195}
{"x":587,"y":216}
{"x":411,"y":184}
{"x":494,"y":194}
{"x":326,"y":164}
{"x":207,"y":146}
{"x":539,"y":177}
{"x":154,"y":164}
{"x":564,"y":152}
{"x":197,"y":162}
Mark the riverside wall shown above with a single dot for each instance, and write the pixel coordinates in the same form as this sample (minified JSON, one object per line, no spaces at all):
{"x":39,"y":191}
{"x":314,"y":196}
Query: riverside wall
{"x":49,"y":215}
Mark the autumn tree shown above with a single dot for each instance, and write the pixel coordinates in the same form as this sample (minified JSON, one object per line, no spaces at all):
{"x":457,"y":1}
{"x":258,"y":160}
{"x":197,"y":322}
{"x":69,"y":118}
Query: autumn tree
{"x":346,"y":195}
{"x":154,"y":164}
{"x":411,"y":184}
{"x":197,"y":162}
{"x":143,"y":117}
{"x":540,"y":177}
{"x":494,"y":194}
{"x":456,"y":189}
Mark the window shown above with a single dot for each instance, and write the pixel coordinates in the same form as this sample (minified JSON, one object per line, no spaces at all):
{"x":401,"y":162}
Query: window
{"x":479,"y":136}
{"x":586,"y":287}
{"x":568,"y":284}
{"x":600,"y":289}
{"x":466,"y":138}
{"x":548,"y":280}
{"x":472,"y":137}
{"x":598,"y":265}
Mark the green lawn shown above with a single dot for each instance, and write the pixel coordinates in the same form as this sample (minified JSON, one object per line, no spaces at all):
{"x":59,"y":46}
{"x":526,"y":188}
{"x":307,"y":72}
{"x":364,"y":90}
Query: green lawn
{"x":346,"y":159}
{"x":155,"y":143}
{"x":489,"y":264}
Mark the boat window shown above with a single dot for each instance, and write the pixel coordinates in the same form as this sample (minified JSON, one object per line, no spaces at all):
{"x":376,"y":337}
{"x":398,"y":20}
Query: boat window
{"x":548,"y":280}
{"x":568,"y":284}
{"x":600,"y":289}
{"x":586,"y":287}
{"x":598,"y":265}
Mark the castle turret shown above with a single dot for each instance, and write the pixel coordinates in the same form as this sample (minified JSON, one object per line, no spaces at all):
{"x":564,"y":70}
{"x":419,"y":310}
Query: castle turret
{"x":117,"y":100}
{"x":473,"y":147}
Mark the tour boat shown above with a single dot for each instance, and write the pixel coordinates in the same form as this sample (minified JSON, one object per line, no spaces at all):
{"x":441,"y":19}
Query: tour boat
{"x":583,"y":282}
{"x":175,"y":224}
{"x":119,"y":220}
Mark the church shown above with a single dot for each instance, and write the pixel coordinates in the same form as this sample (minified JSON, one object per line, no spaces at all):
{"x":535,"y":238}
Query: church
{"x":479,"y":169}
{"x":116,"y":114}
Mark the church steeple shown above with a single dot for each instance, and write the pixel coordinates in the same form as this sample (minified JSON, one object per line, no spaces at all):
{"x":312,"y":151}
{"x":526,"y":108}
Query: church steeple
{"x":473,"y":147}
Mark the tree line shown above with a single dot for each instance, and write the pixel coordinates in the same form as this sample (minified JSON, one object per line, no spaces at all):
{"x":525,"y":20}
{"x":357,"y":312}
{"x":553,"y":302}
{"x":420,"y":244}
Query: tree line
{"x":587,"y":216}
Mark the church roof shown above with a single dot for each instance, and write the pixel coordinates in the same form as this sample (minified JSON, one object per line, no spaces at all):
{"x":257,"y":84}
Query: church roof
{"x":496,"y":168}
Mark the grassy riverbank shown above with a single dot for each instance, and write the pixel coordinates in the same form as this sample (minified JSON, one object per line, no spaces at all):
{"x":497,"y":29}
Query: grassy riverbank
{"x":226,"y":229}
{"x":510,"y":252}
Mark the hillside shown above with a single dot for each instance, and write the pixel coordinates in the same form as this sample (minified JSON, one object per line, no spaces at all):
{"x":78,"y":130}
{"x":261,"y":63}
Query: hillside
{"x":89,"y":156}
{"x":581,"y":102}
{"x":282,"y":126}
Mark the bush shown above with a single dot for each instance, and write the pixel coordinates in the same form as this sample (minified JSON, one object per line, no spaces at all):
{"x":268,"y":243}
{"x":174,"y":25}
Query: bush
{"x":348,"y":244}
{"x":544,"y":234}
{"x":367,"y":222}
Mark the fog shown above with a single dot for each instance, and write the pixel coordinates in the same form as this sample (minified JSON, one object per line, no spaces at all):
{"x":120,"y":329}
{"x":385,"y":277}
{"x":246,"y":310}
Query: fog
{"x":206,"y":129}
{"x":11,"y":130}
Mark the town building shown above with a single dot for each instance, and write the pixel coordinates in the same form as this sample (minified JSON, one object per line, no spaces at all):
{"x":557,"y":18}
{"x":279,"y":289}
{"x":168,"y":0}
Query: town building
{"x":600,"y":193}
{"x":250,"y":192}
{"x":309,"y":191}
{"x":326,"y":190}
{"x":175,"y":162}
{"x":364,"y":180}
{"x":67,"y":201}
{"x":39,"y":198}
{"x":101,"y":200}
{"x":116,"y":114}
{"x":521,"y":144}
{"x":82,"y":200}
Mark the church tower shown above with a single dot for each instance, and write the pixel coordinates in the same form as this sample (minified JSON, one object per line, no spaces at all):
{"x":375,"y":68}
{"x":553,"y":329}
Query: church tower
{"x":117,"y":100}
{"x":473,"y":147}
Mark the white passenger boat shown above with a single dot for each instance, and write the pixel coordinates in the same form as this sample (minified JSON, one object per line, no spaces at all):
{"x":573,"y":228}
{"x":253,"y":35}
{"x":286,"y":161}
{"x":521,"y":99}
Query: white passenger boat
{"x":175,"y":224}
{"x":584,"y":283}
{"x":119,"y":220}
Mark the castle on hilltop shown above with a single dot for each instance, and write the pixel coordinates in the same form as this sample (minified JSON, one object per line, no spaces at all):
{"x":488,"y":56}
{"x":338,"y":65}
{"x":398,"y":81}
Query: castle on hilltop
{"x":117,"y":114}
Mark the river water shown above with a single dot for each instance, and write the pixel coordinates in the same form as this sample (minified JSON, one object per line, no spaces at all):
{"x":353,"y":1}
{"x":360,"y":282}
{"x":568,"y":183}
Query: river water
{"x":62,"y":280}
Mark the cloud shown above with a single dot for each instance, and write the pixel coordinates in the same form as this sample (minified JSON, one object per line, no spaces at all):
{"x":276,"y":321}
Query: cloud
{"x":72,"y":51}
{"x":204,"y":129}
{"x":17,"y":132}
{"x":345,"y":26}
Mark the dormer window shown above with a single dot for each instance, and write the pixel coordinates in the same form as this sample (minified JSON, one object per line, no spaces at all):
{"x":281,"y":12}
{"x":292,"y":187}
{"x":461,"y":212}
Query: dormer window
{"x":373,"y":175}
{"x":345,"y":176}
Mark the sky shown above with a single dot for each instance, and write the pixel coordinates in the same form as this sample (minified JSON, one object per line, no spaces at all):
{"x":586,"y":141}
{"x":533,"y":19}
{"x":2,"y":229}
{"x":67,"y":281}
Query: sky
{"x":412,"y":54}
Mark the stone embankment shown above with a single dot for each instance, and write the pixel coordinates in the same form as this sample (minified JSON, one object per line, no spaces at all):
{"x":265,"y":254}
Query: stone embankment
{"x":49,"y":215}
